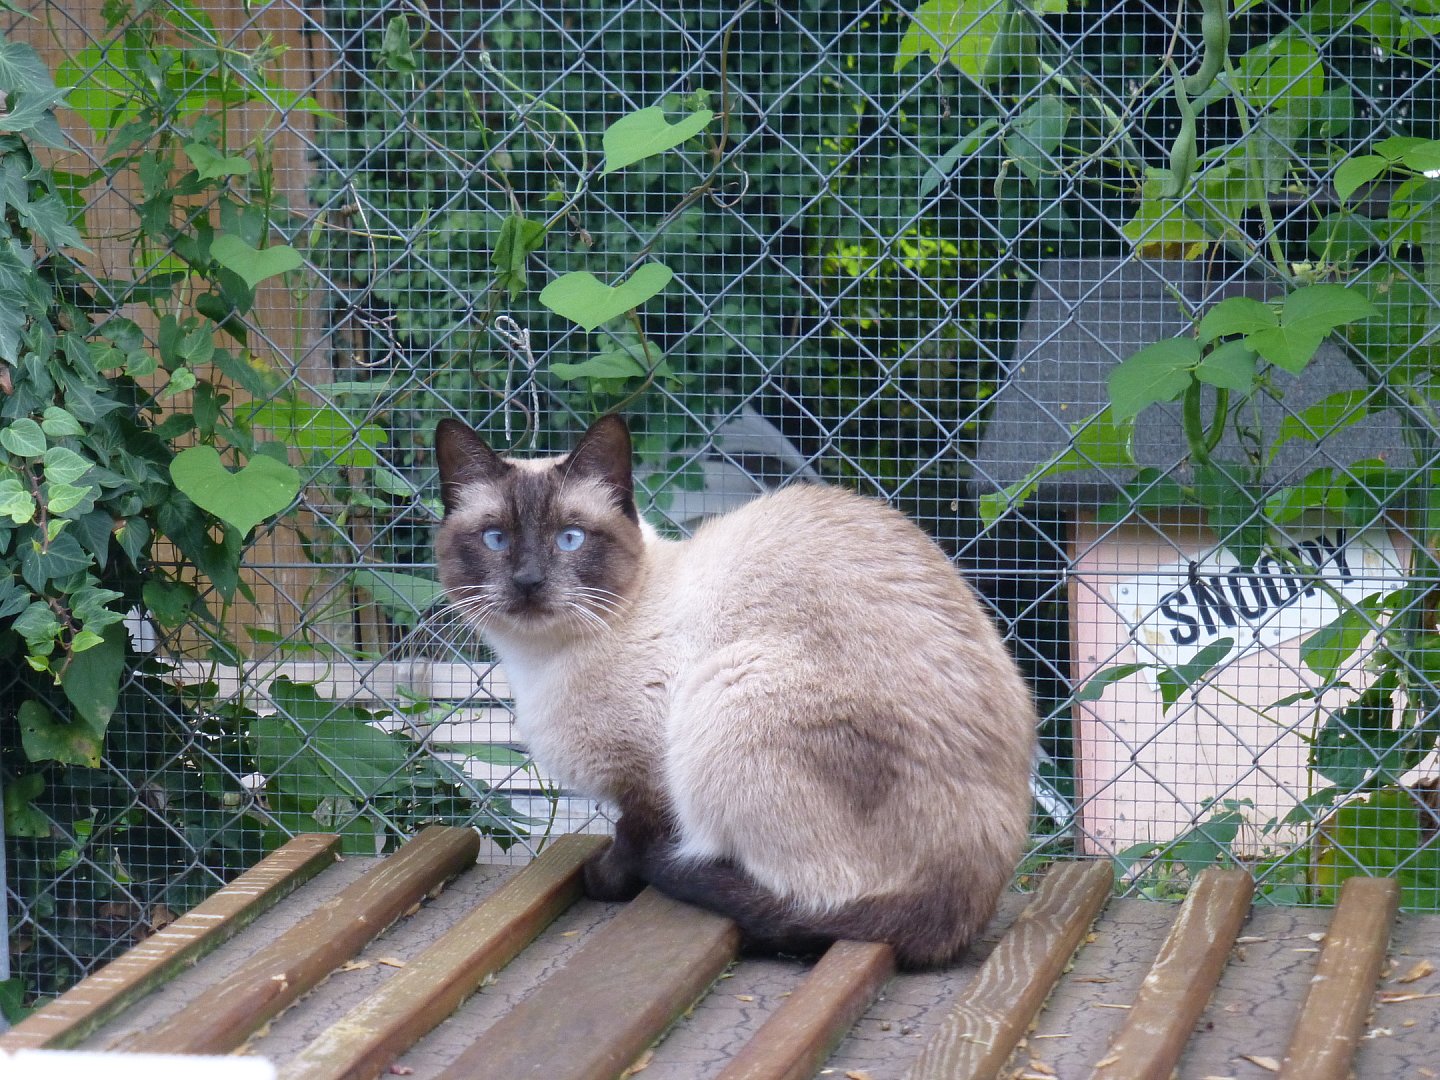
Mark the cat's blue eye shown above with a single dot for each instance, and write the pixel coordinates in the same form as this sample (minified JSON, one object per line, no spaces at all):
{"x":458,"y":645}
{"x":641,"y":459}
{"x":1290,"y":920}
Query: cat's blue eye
{"x":495,"y":539}
{"x":569,"y":539}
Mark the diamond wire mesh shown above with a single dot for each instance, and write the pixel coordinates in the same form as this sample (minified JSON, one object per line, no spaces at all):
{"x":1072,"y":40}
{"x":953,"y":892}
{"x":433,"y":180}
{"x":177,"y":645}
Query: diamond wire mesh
{"x":912,"y":277}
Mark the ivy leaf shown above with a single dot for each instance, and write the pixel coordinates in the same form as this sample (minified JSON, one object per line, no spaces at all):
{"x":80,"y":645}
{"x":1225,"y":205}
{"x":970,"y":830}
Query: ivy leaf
{"x":65,"y":466}
{"x":57,"y":559}
{"x":21,"y":816}
{"x":254,"y":265}
{"x":242,"y":499}
{"x":645,"y":133}
{"x":16,"y":502}
{"x":58,"y":423}
{"x":1158,"y":372}
{"x":92,"y":679}
{"x":47,"y":738}
{"x":23,"y":438}
{"x":588,"y":302}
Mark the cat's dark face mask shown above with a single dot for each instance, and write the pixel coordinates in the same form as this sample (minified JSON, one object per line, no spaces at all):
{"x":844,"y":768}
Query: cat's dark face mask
{"x":538,"y":545}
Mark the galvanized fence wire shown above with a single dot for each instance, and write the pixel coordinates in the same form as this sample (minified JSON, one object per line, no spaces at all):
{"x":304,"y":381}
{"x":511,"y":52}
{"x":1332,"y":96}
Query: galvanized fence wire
{"x":911,"y":247}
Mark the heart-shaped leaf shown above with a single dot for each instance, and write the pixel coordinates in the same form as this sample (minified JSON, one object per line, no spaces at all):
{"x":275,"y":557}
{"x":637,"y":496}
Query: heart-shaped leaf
{"x":47,"y":738}
{"x":643,"y":134}
{"x":254,"y":265}
{"x":1158,"y":372}
{"x":92,"y":679}
{"x":209,"y":164}
{"x":587,"y":301}
{"x":242,"y":499}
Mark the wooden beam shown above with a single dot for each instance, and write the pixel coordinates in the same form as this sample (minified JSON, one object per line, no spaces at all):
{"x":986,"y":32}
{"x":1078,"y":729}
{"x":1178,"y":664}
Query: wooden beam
{"x":1342,"y":990}
{"x":66,"y":1020}
{"x":992,"y":1014}
{"x":795,"y":1041}
{"x":1180,"y":982}
{"x":221,"y":1018}
{"x":367,"y":1039}
{"x":597,"y":1014}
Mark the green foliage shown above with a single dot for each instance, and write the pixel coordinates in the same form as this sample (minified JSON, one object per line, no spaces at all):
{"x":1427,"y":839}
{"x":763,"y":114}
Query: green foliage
{"x":752,"y":191}
{"x":1272,"y":114}
{"x":123,"y":788}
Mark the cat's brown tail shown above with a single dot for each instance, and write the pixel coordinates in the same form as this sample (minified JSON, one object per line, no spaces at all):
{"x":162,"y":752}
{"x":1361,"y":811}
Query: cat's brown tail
{"x":926,"y":929}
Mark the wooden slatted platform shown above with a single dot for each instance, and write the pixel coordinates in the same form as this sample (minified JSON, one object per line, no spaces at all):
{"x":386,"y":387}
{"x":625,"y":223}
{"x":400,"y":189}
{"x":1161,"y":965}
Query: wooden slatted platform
{"x":344,"y":969}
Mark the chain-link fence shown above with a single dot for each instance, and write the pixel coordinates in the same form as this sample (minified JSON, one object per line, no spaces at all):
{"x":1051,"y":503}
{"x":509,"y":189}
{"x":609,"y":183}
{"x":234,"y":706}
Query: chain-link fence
{"x":1131,"y":306}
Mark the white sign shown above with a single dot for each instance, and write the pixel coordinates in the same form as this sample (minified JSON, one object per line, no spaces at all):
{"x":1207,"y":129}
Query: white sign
{"x":1180,"y":608}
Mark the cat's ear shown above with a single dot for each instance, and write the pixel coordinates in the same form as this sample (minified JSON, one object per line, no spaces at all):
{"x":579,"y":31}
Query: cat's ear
{"x":603,"y":452}
{"x":464,"y":458}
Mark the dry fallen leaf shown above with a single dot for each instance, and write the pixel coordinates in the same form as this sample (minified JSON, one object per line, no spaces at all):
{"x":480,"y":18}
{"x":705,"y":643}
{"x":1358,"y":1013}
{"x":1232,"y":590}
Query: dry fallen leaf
{"x":1316,"y":937}
{"x":1108,"y":1005}
{"x":744,"y":997}
{"x":354,"y":965}
{"x":390,"y":961}
{"x":1394,"y":997}
{"x":1039,"y":1067}
{"x":401,"y":1070}
{"x":574,"y":933}
{"x":1109,"y":1059}
{"x":641,"y":1064}
{"x":1417,"y":972}
{"x":1093,"y":979}
{"x":857,"y":1074}
{"x":1267,"y":1063}
{"x":1248,"y":939}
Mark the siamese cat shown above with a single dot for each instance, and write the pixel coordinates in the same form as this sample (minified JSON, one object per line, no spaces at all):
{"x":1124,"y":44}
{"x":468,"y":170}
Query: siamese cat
{"x":802,"y":713}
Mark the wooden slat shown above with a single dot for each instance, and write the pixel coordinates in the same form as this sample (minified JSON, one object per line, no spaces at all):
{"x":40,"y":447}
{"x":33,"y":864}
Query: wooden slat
{"x":1342,"y":990}
{"x":796,"y":1040}
{"x":995,"y":1010}
{"x":221,"y":1018}
{"x":367,"y":1039}
{"x":84,"y":1007}
{"x":597,"y":1014}
{"x":1180,"y":982}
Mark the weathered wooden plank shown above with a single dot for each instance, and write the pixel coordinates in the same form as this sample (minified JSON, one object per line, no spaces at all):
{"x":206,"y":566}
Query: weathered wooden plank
{"x":1180,"y":982}
{"x":597,"y":1014}
{"x":992,"y":1014}
{"x":794,"y":1042}
{"x":91,"y":1002}
{"x":1342,"y":990}
{"x":221,"y":1018}
{"x":367,"y":1039}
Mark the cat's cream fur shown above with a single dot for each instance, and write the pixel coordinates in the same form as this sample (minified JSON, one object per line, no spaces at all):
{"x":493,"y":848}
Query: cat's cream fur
{"x":803,"y":713}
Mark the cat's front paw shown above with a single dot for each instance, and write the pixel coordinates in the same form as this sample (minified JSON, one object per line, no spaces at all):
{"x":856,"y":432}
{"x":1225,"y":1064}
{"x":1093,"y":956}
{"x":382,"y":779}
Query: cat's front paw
{"x":610,"y":876}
